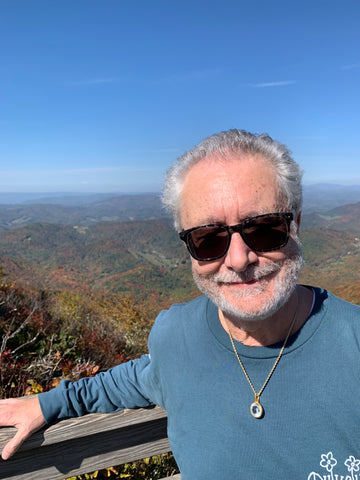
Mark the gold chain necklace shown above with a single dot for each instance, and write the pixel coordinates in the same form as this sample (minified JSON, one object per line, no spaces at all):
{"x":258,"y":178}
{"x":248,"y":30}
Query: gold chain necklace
{"x":256,"y":409}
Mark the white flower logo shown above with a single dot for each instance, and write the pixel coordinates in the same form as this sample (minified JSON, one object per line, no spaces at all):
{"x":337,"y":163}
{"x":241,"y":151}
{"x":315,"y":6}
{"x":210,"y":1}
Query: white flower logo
{"x":353,"y":465}
{"x":328,"y":461}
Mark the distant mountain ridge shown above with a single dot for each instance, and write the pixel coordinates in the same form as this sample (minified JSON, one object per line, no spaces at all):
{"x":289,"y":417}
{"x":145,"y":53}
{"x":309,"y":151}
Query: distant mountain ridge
{"x":325,"y":196}
{"x":345,"y":218}
{"x":61,"y":198}
{"x":119,"y":208}
{"x":85,"y":210}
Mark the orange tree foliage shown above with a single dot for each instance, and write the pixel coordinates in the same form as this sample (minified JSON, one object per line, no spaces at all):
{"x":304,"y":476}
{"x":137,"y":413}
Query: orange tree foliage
{"x":154,"y":468}
{"x":40,"y":344}
{"x":48,"y":337}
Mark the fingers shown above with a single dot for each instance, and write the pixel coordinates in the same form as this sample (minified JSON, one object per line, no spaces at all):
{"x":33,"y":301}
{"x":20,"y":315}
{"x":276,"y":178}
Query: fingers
{"x":25,"y":415}
{"x":13,"y":445}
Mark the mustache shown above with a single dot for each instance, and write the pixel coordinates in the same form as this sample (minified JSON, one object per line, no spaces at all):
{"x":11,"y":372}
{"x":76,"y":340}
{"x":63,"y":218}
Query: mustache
{"x":250,"y":274}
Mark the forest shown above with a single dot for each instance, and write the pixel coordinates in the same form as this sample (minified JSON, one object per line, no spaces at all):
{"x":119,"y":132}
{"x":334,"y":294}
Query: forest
{"x":78,"y":298}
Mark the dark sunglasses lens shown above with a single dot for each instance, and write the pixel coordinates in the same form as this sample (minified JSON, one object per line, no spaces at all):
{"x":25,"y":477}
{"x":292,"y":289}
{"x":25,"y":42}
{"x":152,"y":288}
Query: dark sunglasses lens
{"x":266,"y":233}
{"x":207,"y":243}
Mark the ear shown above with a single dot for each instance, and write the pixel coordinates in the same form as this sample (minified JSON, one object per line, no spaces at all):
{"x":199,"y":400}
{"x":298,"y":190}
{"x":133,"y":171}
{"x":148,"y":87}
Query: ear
{"x":298,"y":219}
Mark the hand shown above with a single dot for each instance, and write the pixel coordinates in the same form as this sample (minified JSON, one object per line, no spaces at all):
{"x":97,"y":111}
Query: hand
{"x":24,"y":414}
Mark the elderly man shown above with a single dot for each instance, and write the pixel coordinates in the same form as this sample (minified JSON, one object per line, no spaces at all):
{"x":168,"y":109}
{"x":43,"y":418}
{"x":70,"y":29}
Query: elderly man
{"x":260,"y":375}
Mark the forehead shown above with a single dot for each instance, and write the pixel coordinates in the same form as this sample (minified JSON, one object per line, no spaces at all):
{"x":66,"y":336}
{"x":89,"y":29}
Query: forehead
{"x":227,"y":190}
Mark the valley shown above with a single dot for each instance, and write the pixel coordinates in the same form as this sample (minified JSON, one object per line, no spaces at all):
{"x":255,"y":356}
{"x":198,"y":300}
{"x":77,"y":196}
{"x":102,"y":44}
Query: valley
{"x":145,"y":258}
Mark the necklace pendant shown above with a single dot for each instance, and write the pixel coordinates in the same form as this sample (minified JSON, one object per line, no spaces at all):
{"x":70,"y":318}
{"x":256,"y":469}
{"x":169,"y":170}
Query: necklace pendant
{"x":256,"y":409}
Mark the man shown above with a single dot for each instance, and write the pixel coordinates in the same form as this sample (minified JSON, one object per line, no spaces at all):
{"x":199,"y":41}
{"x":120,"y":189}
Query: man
{"x":260,"y":376}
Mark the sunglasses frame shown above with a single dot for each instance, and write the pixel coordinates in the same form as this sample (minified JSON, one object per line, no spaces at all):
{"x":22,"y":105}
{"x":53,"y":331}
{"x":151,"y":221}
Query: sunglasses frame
{"x":185,"y":237}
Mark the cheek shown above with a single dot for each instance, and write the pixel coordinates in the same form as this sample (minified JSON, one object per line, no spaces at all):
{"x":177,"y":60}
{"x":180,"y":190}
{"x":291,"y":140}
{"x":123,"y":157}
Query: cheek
{"x":275,"y":256}
{"x":206,"y":268}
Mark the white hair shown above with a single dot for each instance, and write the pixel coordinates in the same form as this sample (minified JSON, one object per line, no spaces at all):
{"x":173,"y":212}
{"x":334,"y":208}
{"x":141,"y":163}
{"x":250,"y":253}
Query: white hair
{"x":288,"y":171}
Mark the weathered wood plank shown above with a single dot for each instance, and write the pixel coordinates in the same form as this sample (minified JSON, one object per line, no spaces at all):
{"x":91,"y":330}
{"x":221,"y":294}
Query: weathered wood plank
{"x":73,"y":428}
{"x":81,"y":445}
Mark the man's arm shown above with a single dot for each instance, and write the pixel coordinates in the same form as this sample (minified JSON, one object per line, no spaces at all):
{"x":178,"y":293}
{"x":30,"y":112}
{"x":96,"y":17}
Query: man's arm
{"x":128,"y":385}
{"x":24,"y":414}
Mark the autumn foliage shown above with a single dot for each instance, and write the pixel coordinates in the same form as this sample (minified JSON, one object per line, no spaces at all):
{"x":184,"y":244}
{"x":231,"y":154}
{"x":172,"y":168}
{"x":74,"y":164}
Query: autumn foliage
{"x":48,"y":336}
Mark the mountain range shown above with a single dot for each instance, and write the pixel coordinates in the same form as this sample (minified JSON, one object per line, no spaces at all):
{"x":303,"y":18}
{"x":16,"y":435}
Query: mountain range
{"x":127,"y":244}
{"x":76,"y":209}
{"x":87,"y":212}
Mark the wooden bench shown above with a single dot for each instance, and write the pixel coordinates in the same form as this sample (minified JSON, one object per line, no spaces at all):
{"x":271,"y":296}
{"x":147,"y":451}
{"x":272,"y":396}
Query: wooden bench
{"x":82,"y":445}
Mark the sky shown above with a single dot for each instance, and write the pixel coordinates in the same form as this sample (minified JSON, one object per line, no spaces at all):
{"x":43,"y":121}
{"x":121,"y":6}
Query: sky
{"x":103,"y":95}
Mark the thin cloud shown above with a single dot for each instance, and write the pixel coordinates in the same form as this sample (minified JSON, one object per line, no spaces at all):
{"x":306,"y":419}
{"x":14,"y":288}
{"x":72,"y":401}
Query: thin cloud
{"x":191,"y":76}
{"x":158,"y":150}
{"x":73,"y":171}
{"x":94,"y":81}
{"x":312,"y":137}
{"x":121,"y":177}
{"x":282,"y":83}
{"x":350,"y":66}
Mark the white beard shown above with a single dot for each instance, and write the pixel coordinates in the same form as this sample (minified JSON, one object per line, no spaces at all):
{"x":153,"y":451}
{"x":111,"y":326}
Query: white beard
{"x":287,"y":274}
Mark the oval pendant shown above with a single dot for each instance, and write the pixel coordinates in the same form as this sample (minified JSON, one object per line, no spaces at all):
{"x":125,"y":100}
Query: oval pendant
{"x":256,"y":410}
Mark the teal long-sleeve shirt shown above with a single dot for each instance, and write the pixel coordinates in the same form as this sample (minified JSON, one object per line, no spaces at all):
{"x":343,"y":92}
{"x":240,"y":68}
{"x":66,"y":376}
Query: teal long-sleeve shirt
{"x":310,"y":428}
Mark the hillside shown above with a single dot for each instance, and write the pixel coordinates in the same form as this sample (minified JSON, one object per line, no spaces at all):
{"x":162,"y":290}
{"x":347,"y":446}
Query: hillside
{"x":332,"y":261}
{"x":117,"y":209}
{"x":110,"y":256}
{"x":345,"y":218}
{"x":89,"y":209}
{"x":126,"y":244}
{"x":147,"y":259}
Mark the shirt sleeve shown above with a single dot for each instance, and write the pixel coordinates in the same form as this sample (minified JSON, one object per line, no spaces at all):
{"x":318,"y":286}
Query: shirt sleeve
{"x":129,"y":385}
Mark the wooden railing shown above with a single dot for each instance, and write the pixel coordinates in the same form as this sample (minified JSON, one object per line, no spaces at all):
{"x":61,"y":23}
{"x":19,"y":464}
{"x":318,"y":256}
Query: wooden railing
{"x":82,"y":445}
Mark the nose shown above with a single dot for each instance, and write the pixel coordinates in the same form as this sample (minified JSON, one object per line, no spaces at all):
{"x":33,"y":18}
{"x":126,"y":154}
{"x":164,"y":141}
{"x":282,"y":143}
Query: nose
{"x":239,"y":256}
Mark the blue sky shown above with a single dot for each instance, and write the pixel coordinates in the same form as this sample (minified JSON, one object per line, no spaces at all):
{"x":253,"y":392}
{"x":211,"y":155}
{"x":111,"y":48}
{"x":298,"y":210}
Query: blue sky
{"x":102,"y":95}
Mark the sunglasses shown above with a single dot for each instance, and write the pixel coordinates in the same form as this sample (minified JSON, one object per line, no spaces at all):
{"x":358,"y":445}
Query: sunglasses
{"x":262,"y":233}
